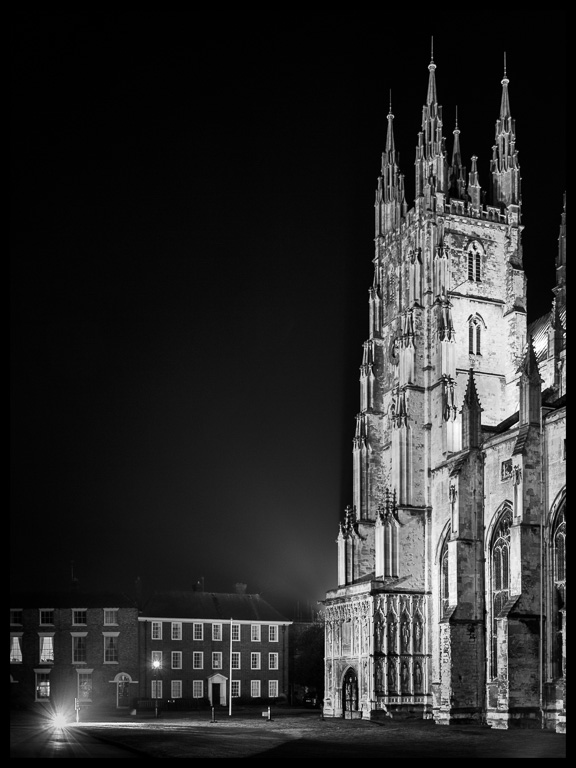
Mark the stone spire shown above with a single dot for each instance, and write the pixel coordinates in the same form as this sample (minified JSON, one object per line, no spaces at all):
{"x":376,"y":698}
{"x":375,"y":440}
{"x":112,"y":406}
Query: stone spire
{"x":431,"y":163}
{"x":471,"y":416}
{"x":530,"y":385}
{"x":504,"y":167}
{"x":390,"y":202}
{"x":457,"y":170}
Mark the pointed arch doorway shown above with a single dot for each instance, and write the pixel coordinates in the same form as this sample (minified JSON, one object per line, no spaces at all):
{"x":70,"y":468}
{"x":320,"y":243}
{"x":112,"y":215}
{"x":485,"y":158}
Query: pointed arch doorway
{"x":350,"y":693}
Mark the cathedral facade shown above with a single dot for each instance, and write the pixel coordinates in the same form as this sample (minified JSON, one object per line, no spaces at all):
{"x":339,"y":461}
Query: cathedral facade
{"x":450,"y":603}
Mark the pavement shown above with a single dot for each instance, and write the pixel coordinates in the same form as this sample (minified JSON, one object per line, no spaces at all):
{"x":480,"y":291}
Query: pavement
{"x":293,"y":732}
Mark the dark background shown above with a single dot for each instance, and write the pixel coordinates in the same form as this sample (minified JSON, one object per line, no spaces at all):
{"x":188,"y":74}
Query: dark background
{"x":191,"y":243}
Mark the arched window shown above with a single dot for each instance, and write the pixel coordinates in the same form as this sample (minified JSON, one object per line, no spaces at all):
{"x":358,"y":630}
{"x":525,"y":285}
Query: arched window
{"x":444,"y":593}
{"x":500,"y":579}
{"x":475,"y":324}
{"x":558,"y":591}
{"x":475,"y":252}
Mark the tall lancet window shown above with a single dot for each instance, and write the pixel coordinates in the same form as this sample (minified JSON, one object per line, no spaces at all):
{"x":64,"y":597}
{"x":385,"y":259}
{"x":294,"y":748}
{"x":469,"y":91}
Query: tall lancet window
{"x":444,"y":584}
{"x":558,"y":592}
{"x":500,"y":580}
{"x":475,"y":252}
{"x":475,"y":326}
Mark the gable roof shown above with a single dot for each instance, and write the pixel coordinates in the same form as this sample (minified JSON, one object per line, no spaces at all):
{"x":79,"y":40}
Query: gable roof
{"x":210,"y":606}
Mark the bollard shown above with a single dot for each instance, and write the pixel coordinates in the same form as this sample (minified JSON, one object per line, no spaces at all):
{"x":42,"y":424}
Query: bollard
{"x":213,"y":720}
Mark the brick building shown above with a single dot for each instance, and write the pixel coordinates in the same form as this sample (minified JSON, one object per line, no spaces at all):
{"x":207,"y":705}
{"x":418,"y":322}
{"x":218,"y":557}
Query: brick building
{"x":197,"y":646}
{"x":73,"y":646}
{"x":450,"y":601}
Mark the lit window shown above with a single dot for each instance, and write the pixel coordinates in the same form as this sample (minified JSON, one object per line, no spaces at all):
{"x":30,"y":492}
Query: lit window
{"x":272,"y":689}
{"x":176,"y":659}
{"x":156,"y":689}
{"x":235,"y":660}
{"x":156,"y":630}
{"x":176,"y":630}
{"x":217,"y":660}
{"x":198,"y":632}
{"x":79,"y":649}
{"x":79,"y":616}
{"x":110,"y":616}
{"x":272,"y":661}
{"x":16,"y":649}
{"x":198,"y":660}
{"x":273,"y":633}
{"x":46,"y":649}
{"x":216,"y":631}
{"x":254,"y":661}
{"x":111,"y":648}
{"x":235,"y":689}
{"x":42,"y":686}
{"x":255,"y":633}
{"x":197,"y":689}
{"x":255,"y":689}
{"x":156,"y":660}
{"x":47,"y":616}
{"x":176,"y":689}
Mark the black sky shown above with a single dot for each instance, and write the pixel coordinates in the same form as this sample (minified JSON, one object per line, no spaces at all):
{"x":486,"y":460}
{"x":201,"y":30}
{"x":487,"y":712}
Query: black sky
{"x":191,"y":243}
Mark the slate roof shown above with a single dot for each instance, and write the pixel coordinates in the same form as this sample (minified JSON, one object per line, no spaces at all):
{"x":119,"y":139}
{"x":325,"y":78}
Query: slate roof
{"x":71,"y":599}
{"x":210,"y":606}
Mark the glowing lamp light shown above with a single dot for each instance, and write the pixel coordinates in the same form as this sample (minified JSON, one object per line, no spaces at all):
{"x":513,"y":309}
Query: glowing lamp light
{"x":59,"y":721}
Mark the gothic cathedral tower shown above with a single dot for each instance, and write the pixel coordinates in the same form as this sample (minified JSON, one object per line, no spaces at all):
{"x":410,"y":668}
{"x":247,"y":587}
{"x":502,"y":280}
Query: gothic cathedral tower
{"x":440,"y":560}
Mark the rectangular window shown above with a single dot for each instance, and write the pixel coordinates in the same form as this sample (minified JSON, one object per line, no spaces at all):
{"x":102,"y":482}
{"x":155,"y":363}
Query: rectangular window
{"x":156,"y":660}
{"x":79,"y":616}
{"x":176,"y":689}
{"x":15,"y":649}
{"x":235,"y":660}
{"x":216,"y":631}
{"x":42,"y":686}
{"x":197,"y":689}
{"x":255,"y":689}
{"x":79,"y":649}
{"x":15,"y":615}
{"x":273,"y":633}
{"x":273,"y":689}
{"x":235,"y":689}
{"x":255,"y":633}
{"x":198,"y":660}
{"x":176,"y":659}
{"x":111,"y":649}
{"x":156,"y":630}
{"x":198,"y":631}
{"x":110,"y":617}
{"x":156,"y":689}
{"x":217,"y":660}
{"x":47,"y":616}
{"x":272,"y":661}
{"x":236,"y":632}
{"x":46,"y":649}
{"x":85,"y":686}
{"x":254,"y":661}
{"x":176,"y":630}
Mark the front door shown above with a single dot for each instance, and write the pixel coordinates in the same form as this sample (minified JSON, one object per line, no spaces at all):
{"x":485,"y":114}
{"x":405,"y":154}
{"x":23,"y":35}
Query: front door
{"x":350,"y":691}
{"x":123,"y":691}
{"x":215,"y":694}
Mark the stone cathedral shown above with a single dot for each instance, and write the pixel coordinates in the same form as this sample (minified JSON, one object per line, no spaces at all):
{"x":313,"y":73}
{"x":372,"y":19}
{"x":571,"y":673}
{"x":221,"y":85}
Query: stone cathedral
{"x":451,"y":593}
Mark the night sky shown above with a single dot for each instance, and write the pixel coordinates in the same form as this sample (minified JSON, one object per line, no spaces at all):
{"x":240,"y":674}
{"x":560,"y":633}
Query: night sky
{"x":191,"y":250}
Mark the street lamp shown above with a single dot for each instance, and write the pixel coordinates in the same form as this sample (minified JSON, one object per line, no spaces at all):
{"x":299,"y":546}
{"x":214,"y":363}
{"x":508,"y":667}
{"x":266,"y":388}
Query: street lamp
{"x":156,"y":667}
